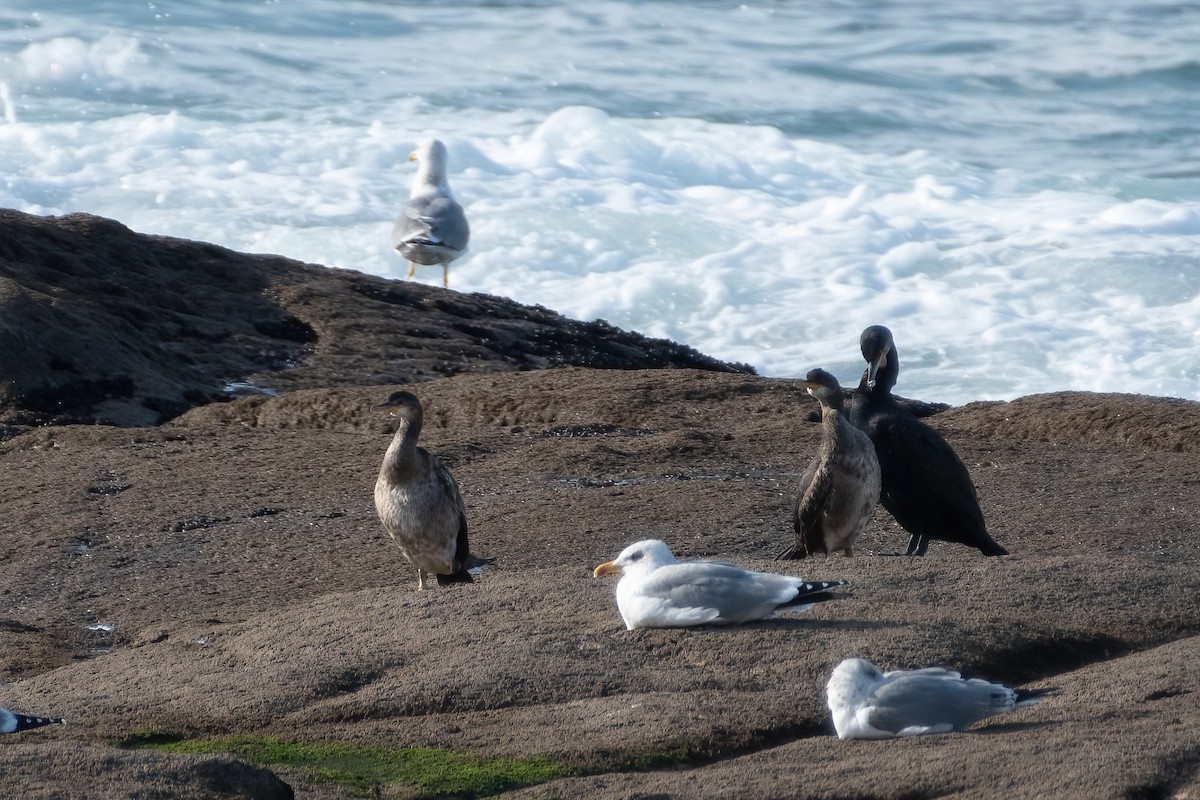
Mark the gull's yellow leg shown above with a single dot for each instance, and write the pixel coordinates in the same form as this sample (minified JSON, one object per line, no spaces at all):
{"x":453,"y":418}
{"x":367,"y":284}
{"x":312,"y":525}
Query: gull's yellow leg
{"x":445,"y":276}
{"x":420,"y":579}
{"x":412,"y":267}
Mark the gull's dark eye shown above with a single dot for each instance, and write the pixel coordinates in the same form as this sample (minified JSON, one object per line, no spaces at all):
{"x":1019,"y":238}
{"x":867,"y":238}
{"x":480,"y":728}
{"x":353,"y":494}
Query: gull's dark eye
{"x":635,"y":556}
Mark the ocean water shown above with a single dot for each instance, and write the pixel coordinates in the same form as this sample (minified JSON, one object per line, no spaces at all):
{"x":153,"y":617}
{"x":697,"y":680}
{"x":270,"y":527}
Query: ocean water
{"x":1013,"y":188}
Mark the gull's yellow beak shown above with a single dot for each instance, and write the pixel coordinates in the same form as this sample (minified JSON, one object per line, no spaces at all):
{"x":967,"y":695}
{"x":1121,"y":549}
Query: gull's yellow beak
{"x":607,"y":568}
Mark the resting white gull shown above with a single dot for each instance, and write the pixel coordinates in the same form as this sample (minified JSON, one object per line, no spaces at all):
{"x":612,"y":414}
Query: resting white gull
{"x":431,"y":228}
{"x":15,"y":723}
{"x":658,"y":591}
{"x":869,"y":704}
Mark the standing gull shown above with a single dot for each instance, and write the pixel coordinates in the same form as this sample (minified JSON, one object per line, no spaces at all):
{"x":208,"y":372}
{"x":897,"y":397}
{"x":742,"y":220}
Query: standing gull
{"x":925,"y":485}
{"x":431,"y":228}
{"x":658,"y":591}
{"x":418,"y":501}
{"x":15,"y":723}
{"x":840,"y":488}
{"x":869,"y":704}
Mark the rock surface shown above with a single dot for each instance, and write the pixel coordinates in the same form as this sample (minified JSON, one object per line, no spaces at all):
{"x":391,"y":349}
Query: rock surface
{"x":100,"y":323}
{"x":224,"y":574}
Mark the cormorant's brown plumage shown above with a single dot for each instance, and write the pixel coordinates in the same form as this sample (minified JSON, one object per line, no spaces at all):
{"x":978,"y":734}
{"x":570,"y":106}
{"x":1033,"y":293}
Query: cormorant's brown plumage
{"x":926,"y":486}
{"x":418,"y":501}
{"x":840,"y":488}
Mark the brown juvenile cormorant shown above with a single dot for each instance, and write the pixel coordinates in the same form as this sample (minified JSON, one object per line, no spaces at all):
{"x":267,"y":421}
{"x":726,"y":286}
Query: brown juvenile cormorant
{"x":431,"y":228}
{"x":926,"y":486}
{"x":418,"y":501}
{"x":840,"y":488}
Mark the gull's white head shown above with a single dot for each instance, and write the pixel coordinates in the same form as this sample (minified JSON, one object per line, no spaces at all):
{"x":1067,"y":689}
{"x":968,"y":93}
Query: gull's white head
{"x":852,"y":684}
{"x":639,"y":558}
{"x":858,"y":670}
{"x":429,"y":151}
{"x":430,"y":155}
{"x":851,"y":679}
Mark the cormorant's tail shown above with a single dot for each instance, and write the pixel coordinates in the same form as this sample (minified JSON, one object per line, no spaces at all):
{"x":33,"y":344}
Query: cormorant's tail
{"x":462,"y":549}
{"x":802,"y":547}
{"x":793,"y":552}
{"x":462,"y":553}
{"x":986,"y":544}
{"x":991,"y":548}
{"x":464,"y":560}
{"x":462,"y":576}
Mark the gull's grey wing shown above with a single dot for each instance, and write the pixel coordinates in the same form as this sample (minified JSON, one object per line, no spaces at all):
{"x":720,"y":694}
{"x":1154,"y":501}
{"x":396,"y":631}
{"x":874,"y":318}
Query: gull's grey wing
{"x":730,"y":590}
{"x":433,"y":217}
{"x":932,"y":672}
{"x":934,"y":700}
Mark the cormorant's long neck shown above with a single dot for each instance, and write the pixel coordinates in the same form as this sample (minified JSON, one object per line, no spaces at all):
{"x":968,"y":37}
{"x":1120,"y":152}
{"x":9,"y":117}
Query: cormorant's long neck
{"x":832,"y":415}
{"x":869,"y":401}
{"x":398,"y":460}
{"x":885,"y":379}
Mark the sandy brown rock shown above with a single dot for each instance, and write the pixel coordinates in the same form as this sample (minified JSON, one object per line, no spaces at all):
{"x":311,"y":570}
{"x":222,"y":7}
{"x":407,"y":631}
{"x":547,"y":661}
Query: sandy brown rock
{"x":1067,"y":746}
{"x":249,"y":589}
{"x":224,"y":572}
{"x":1155,"y":423}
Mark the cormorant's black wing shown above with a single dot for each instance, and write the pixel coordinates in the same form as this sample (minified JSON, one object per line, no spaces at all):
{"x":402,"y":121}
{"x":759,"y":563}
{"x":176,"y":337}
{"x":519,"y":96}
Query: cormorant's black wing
{"x":926,"y":486}
{"x":461,"y":547}
{"x":816,"y":486}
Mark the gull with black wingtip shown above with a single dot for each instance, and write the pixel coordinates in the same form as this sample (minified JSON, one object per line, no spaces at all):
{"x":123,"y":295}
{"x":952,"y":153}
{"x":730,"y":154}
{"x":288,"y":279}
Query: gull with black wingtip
{"x":657,"y":590}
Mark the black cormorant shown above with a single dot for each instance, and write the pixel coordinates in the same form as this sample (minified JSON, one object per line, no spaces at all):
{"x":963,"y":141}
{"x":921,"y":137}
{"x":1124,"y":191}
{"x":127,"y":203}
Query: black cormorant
{"x":926,"y":486}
